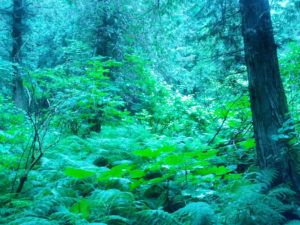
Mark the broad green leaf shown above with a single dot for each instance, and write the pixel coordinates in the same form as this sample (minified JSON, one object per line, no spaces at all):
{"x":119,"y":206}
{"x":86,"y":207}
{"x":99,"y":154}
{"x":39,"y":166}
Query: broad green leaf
{"x":206,"y":155}
{"x":147,"y":153}
{"x":160,"y":179}
{"x":248,"y":144}
{"x":201,"y":163}
{"x":137,"y":174}
{"x":118,"y":170}
{"x":136,"y":183}
{"x":173,"y":160}
{"x":154,"y":167}
{"x":78,"y":173}
{"x":232,"y":176}
{"x":156,"y":180}
{"x":82,"y":207}
{"x":115,"y":172}
{"x":221,"y":170}
{"x":166,"y":149}
{"x":221,"y":112}
{"x":112,"y":63}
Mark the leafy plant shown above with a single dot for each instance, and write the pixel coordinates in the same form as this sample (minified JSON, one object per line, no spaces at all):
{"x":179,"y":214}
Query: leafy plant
{"x":257,"y":203}
{"x":196,"y":213}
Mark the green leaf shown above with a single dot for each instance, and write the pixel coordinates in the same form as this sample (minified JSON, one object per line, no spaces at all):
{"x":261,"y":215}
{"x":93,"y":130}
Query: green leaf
{"x":232,"y":176}
{"x":166,"y":149}
{"x":147,"y":153}
{"x":115,"y":172}
{"x":136,"y":183}
{"x":156,"y":180}
{"x":78,"y":173}
{"x":82,"y":207}
{"x":154,"y":153}
{"x":177,"y":159}
{"x":137,"y":174}
{"x":112,"y":63}
{"x":200,"y":155}
{"x":248,"y":144}
{"x":221,"y":112}
{"x":221,"y":170}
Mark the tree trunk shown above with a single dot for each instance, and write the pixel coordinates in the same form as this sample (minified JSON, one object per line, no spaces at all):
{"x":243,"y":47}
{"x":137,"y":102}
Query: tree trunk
{"x":108,"y":32}
{"x":19,"y":94}
{"x":268,"y":100}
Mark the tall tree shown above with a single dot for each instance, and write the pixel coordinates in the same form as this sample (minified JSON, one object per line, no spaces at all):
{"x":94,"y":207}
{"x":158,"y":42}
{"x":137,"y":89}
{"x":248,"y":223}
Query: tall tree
{"x":109,"y":29}
{"x":18,"y":15}
{"x":268,"y":101}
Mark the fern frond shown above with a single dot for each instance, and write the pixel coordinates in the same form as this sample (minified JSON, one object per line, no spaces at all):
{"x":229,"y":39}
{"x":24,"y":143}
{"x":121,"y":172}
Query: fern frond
{"x":197,"y":213}
{"x":64,"y":215}
{"x":43,"y":207}
{"x":116,"y":220}
{"x":156,"y":217}
{"x":252,"y":207}
{"x":111,"y":202}
{"x":281,"y":192}
{"x":266,"y":177}
{"x":293,"y":222}
{"x":32,"y":221}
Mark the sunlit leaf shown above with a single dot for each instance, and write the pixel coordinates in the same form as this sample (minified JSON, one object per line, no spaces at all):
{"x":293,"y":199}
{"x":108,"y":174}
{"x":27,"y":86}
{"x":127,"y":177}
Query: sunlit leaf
{"x":78,"y":173}
{"x":137,"y":174}
{"x":221,"y":170}
{"x":82,"y":207}
{"x":248,"y":144}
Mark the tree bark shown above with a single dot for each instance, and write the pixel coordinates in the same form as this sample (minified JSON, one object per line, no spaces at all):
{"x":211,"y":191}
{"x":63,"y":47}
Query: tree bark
{"x":108,"y":32}
{"x":19,"y":94}
{"x":268,"y":101}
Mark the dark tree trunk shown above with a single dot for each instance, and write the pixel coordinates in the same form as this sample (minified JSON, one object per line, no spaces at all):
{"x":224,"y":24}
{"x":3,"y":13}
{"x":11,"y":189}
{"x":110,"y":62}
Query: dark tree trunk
{"x":108,"y":32}
{"x":268,"y":100}
{"x":19,"y":94}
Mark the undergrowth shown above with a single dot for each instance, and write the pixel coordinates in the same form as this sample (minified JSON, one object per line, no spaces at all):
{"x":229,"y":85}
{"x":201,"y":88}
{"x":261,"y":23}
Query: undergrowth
{"x":127,"y":175}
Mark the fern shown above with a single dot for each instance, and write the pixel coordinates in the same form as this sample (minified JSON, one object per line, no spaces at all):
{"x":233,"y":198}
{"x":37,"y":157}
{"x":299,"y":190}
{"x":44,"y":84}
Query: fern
{"x":156,"y":217}
{"x":250,"y":210}
{"x":266,"y":177}
{"x":293,"y":222}
{"x":64,"y":216}
{"x":32,"y":221}
{"x":281,"y":192}
{"x":116,"y":220}
{"x":198,"y":213}
{"x":249,"y":206}
{"x":111,"y":202}
{"x":44,"y":206}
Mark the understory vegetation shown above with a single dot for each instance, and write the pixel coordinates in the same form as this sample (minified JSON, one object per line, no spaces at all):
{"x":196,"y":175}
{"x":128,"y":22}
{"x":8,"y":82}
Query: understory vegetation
{"x":144,"y":135}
